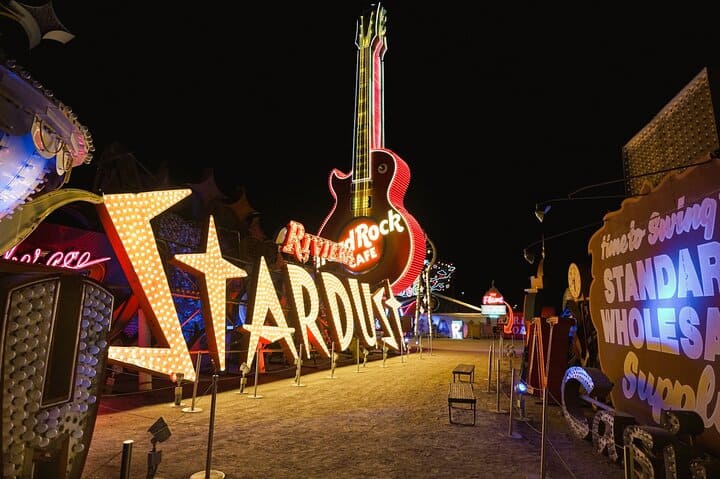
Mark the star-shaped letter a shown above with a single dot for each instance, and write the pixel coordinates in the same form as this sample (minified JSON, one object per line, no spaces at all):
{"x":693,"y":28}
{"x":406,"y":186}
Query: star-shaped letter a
{"x":212,"y":272}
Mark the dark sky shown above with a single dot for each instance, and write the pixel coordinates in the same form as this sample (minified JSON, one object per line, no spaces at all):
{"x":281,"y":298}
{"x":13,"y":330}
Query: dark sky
{"x":493,"y":107}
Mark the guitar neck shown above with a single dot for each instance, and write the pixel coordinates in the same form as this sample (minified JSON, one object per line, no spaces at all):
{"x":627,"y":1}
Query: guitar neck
{"x":369,"y":111}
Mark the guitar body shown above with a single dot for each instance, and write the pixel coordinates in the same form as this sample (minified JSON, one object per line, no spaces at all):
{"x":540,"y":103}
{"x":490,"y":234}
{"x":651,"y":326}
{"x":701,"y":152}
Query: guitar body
{"x":399,"y":254}
{"x":368,"y":216}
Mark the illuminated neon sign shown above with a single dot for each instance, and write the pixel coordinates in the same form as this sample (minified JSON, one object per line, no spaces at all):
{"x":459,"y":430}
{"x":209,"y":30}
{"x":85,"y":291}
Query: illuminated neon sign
{"x":73,"y":259}
{"x":364,"y":238}
{"x":349,"y":303}
{"x":493,"y":303}
{"x":656,"y":274}
{"x":301,"y":244}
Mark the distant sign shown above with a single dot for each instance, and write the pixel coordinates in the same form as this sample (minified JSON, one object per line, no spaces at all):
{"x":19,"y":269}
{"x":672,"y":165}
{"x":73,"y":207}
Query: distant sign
{"x":493,"y":309}
{"x":493,"y":303}
{"x":493,"y":296}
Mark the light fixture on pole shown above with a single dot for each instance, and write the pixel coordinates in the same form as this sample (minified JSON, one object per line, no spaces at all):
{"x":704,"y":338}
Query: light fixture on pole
{"x":541,"y":212}
{"x":529,"y":255}
{"x":542,"y":208}
{"x":527,"y":250}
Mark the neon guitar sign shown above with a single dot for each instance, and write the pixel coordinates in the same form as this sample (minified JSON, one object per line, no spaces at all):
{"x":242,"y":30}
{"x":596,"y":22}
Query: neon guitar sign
{"x":368,"y":216}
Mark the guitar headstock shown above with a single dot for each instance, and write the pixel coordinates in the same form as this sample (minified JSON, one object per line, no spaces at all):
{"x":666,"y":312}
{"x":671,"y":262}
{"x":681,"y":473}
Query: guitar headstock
{"x":371,"y":24}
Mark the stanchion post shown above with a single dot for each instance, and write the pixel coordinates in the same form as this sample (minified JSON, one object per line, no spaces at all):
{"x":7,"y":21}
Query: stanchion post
{"x":332,"y":361}
{"x":512,"y":434}
{"x":490,"y":358}
{"x":257,"y":370}
{"x":192,"y":407}
{"x":298,"y":369}
{"x":357,"y":355}
{"x":211,"y":428}
{"x":498,"y":388}
{"x":384,"y":353}
{"x":126,"y":459}
{"x":208,"y":472}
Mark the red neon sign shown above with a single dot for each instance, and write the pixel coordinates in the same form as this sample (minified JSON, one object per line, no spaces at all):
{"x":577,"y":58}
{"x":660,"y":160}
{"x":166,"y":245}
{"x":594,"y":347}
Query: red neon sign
{"x":72,"y":259}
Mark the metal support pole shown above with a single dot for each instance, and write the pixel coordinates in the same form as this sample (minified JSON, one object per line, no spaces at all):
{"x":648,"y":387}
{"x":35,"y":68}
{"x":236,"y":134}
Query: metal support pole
{"x":126,"y":459}
{"x":255,"y":394}
{"x":498,"y":388}
{"x":490,"y":358}
{"x":357,"y":354}
{"x":332,"y":361}
{"x":551,"y":321}
{"x":192,"y":407}
{"x":428,"y":307}
{"x":208,"y":473}
{"x":500,"y":343}
{"x":512,"y":434}
{"x":417,"y":309}
{"x":428,"y":269}
{"x":211,"y":428}
{"x":384,"y":353}
{"x":298,"y":369}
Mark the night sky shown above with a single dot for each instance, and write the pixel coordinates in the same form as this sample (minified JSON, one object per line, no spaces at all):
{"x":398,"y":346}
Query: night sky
{"x":494,"y":108}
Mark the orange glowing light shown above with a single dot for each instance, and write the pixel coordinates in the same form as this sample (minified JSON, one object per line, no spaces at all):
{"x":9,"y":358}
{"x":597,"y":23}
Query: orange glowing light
{"x":213,"y":272}
{"x":305,"y":315}
{"x":362,"y":302}
{"x":390,"y":325}
{"x":126,"y":218}
{"x":337,"y":300}
{"x":265,"y":302}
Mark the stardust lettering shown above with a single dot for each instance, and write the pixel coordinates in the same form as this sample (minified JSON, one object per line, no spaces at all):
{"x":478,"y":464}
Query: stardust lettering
{"x":130,"y":233}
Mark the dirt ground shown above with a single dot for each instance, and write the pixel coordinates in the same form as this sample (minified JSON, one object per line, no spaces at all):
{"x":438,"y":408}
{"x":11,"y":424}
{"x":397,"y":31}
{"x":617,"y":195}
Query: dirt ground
{"x":387,"y":419}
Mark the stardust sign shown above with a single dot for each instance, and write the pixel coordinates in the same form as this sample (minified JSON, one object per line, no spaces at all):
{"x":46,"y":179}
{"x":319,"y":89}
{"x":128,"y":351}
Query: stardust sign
{"x":655,"y":297}
{"x":351,"y":306}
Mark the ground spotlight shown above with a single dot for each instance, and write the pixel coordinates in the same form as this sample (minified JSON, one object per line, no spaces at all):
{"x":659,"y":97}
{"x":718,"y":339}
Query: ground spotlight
{"x":244,"y":369}
{"x":521,"y":388}
{"x":177,"y":378}
{"x":160,"y":432}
